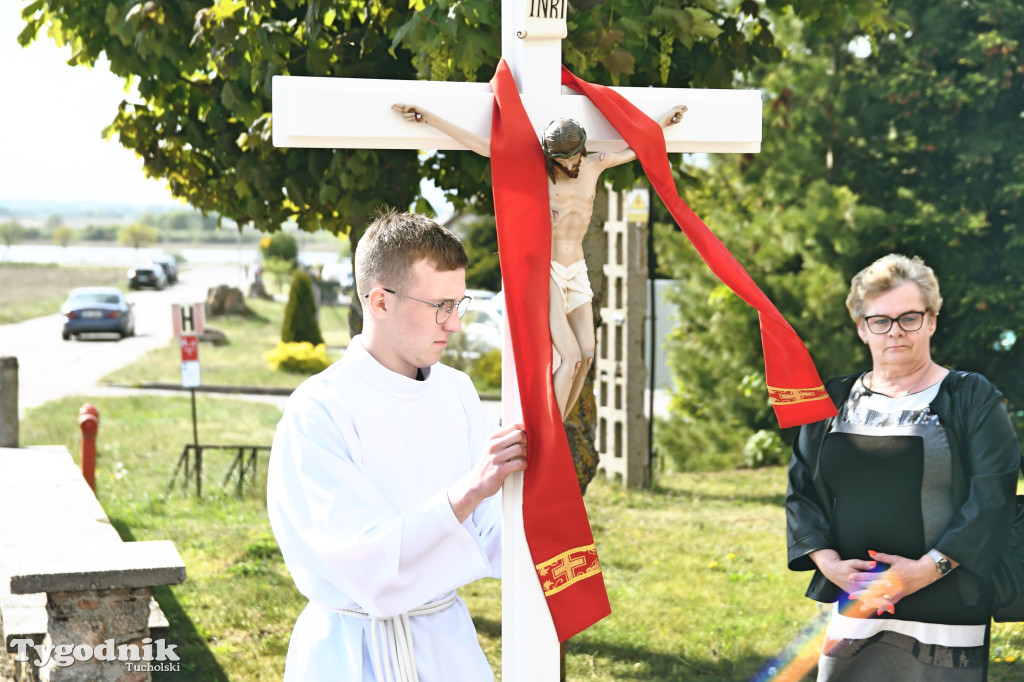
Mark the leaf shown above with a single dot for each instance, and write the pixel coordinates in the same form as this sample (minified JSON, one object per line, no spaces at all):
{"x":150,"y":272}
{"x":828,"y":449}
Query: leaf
{"x":669,"y":17}
{"x":747,"y":7}
{"x":228,"y":96}
{"x":328,"y":194}
{"x":295,"y":191}
{"x":631,"y":26}
{"x":703,"y":24}
{"x":619,"y":63}
{"x":224,"y":9}
{"x":471,"y":52}
{"x":400,"y":36}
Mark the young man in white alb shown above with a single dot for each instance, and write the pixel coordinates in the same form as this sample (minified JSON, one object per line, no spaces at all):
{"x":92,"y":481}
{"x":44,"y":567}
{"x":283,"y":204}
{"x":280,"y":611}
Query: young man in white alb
{"x":383,"y":475}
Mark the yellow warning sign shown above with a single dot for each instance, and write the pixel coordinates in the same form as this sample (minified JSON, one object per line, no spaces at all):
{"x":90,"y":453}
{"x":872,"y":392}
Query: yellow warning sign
{"x":638,"y":206}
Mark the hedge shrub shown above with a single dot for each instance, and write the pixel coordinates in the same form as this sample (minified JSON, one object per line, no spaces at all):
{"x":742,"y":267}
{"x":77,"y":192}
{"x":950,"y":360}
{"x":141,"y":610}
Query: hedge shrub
{"x":298,"y":358}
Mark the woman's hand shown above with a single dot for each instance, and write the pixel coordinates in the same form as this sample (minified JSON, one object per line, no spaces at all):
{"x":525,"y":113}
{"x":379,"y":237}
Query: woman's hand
{"x":878,"y":592}
{"x":851,"y":575}
{"x":904,"y":577}
{"x":855,"y":577}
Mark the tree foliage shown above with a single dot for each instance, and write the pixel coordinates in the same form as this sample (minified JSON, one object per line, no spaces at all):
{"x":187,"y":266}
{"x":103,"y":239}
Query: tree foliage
{"x":282,"y":246}
{"x":203,"y":71}
{"x":915,"y":147}
{"x":202,"y":119}
{"x":64,"y":236}
{"x":137,"y":235}
{"x":938,"y":146}
{"x":665,"y":43}
{"x":480,"y":237}
{"x":11,"y":232}
{"x":183,"y":221}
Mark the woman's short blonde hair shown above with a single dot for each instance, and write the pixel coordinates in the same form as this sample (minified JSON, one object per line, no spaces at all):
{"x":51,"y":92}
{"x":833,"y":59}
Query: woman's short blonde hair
{"x":887,"y":273}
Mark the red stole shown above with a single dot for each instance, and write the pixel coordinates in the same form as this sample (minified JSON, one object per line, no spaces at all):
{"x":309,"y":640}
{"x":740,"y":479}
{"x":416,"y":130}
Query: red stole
{"x":794,"y":387}
{"x":555,"y":520}
{"x":554,"y":516}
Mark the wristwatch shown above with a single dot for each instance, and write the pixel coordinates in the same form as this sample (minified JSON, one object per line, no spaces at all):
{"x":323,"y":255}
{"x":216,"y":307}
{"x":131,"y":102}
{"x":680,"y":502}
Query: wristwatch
{"x":942,"y":564}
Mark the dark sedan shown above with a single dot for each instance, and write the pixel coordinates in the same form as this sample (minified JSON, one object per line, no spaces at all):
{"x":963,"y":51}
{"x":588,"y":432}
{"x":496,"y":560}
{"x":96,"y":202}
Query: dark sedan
{"x":94,"y":310}
{"x":148,"y":275}
{"x":170,"y":266}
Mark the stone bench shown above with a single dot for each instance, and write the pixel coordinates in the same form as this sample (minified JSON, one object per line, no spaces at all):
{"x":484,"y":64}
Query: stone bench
{"x":67,"y":578}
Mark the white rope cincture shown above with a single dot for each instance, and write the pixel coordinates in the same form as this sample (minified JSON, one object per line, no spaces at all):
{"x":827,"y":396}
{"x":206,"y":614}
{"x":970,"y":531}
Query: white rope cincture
{"x":391,"y":638}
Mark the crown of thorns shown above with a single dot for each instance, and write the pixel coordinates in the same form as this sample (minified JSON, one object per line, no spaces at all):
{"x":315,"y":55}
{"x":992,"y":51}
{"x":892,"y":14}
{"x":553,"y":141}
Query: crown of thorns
{"x":569,"y":129}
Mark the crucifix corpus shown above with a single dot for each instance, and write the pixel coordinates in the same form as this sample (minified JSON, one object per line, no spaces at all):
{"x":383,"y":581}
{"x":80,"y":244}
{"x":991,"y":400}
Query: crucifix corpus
{"x":572,"y":186}
{"x":552,"y":586}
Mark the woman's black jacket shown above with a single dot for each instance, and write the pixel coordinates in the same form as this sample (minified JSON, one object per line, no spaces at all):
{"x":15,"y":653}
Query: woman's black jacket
{"x":985,"y":458}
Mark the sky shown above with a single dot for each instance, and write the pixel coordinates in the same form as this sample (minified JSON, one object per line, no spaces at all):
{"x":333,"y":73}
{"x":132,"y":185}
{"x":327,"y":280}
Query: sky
{"x":52,"y":118}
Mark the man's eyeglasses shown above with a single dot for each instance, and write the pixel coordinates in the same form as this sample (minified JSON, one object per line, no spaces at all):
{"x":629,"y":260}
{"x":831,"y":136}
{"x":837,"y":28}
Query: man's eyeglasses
{"x":909,"y":322}
{"x":443,"y":309}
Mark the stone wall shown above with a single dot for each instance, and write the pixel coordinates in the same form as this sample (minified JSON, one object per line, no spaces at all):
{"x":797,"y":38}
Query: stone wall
{"x":75,"y":601}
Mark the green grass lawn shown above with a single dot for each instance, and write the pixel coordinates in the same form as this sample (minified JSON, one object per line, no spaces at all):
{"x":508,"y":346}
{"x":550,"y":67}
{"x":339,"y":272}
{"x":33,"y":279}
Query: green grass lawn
{"x":241,"y":361}
{"x":695,"y":568}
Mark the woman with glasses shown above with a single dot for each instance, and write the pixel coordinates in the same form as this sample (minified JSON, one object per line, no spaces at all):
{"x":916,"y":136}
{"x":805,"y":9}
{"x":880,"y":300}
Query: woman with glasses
{"x":901,"y":503}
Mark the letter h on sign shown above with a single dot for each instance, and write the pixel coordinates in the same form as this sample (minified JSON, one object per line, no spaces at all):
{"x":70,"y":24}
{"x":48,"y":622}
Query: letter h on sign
{"x":188,"y":318}
{"x":188,"y":321}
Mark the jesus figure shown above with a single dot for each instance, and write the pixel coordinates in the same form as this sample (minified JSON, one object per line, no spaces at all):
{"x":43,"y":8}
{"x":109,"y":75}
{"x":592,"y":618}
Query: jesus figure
{"x":572,"y":188}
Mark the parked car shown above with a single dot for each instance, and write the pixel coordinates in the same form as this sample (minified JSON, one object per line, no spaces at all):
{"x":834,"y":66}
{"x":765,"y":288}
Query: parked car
{"x":340,"y":273}
{"x":170,"y":266}
{"x":93,"y":310}
{"x":147,"y":275}
{"x":482,"y":327}
{"x":480,"y":294}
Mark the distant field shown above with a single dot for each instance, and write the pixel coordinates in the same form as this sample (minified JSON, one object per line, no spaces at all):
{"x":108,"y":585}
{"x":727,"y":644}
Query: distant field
{"x":31,"y":290}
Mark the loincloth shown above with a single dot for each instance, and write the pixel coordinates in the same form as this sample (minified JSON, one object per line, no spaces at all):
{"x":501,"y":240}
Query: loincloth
{"x":574,"y":284}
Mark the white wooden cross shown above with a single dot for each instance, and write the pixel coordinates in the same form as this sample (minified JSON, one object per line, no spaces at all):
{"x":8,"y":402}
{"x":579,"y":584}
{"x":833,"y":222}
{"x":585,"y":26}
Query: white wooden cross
{"x":356,"y":113}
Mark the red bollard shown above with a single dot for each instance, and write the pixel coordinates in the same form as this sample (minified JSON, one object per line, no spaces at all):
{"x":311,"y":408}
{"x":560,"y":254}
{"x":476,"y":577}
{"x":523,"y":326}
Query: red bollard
{"x":89,"y":423}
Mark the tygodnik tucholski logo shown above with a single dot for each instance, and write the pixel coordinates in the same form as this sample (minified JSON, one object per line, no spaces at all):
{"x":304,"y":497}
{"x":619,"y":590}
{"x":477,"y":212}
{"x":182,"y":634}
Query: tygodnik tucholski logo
{"x":152,"y":656}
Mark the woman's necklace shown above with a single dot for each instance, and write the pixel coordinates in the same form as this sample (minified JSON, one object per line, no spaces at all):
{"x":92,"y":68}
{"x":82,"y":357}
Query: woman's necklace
{"x":920,"y":381}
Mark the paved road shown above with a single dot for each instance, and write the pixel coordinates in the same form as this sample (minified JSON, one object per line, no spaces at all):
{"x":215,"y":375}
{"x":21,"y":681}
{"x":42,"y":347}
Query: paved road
{"x":49,"y":368}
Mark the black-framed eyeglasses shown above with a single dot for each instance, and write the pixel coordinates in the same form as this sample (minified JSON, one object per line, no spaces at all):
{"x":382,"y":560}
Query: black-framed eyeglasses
{"x":443,"y":309}
{"x":909,"y":321}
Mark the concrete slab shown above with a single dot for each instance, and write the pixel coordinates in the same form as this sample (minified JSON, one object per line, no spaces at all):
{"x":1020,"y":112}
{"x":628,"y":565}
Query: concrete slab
{"x":128,"y":564}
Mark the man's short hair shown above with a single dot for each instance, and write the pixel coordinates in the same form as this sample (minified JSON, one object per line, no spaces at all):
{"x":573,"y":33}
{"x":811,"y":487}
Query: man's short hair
{"x":394,"y":242}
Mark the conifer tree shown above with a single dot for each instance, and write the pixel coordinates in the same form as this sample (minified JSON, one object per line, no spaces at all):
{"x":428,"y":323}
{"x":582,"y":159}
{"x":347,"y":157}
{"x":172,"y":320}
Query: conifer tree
{"x":300,"y":323}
